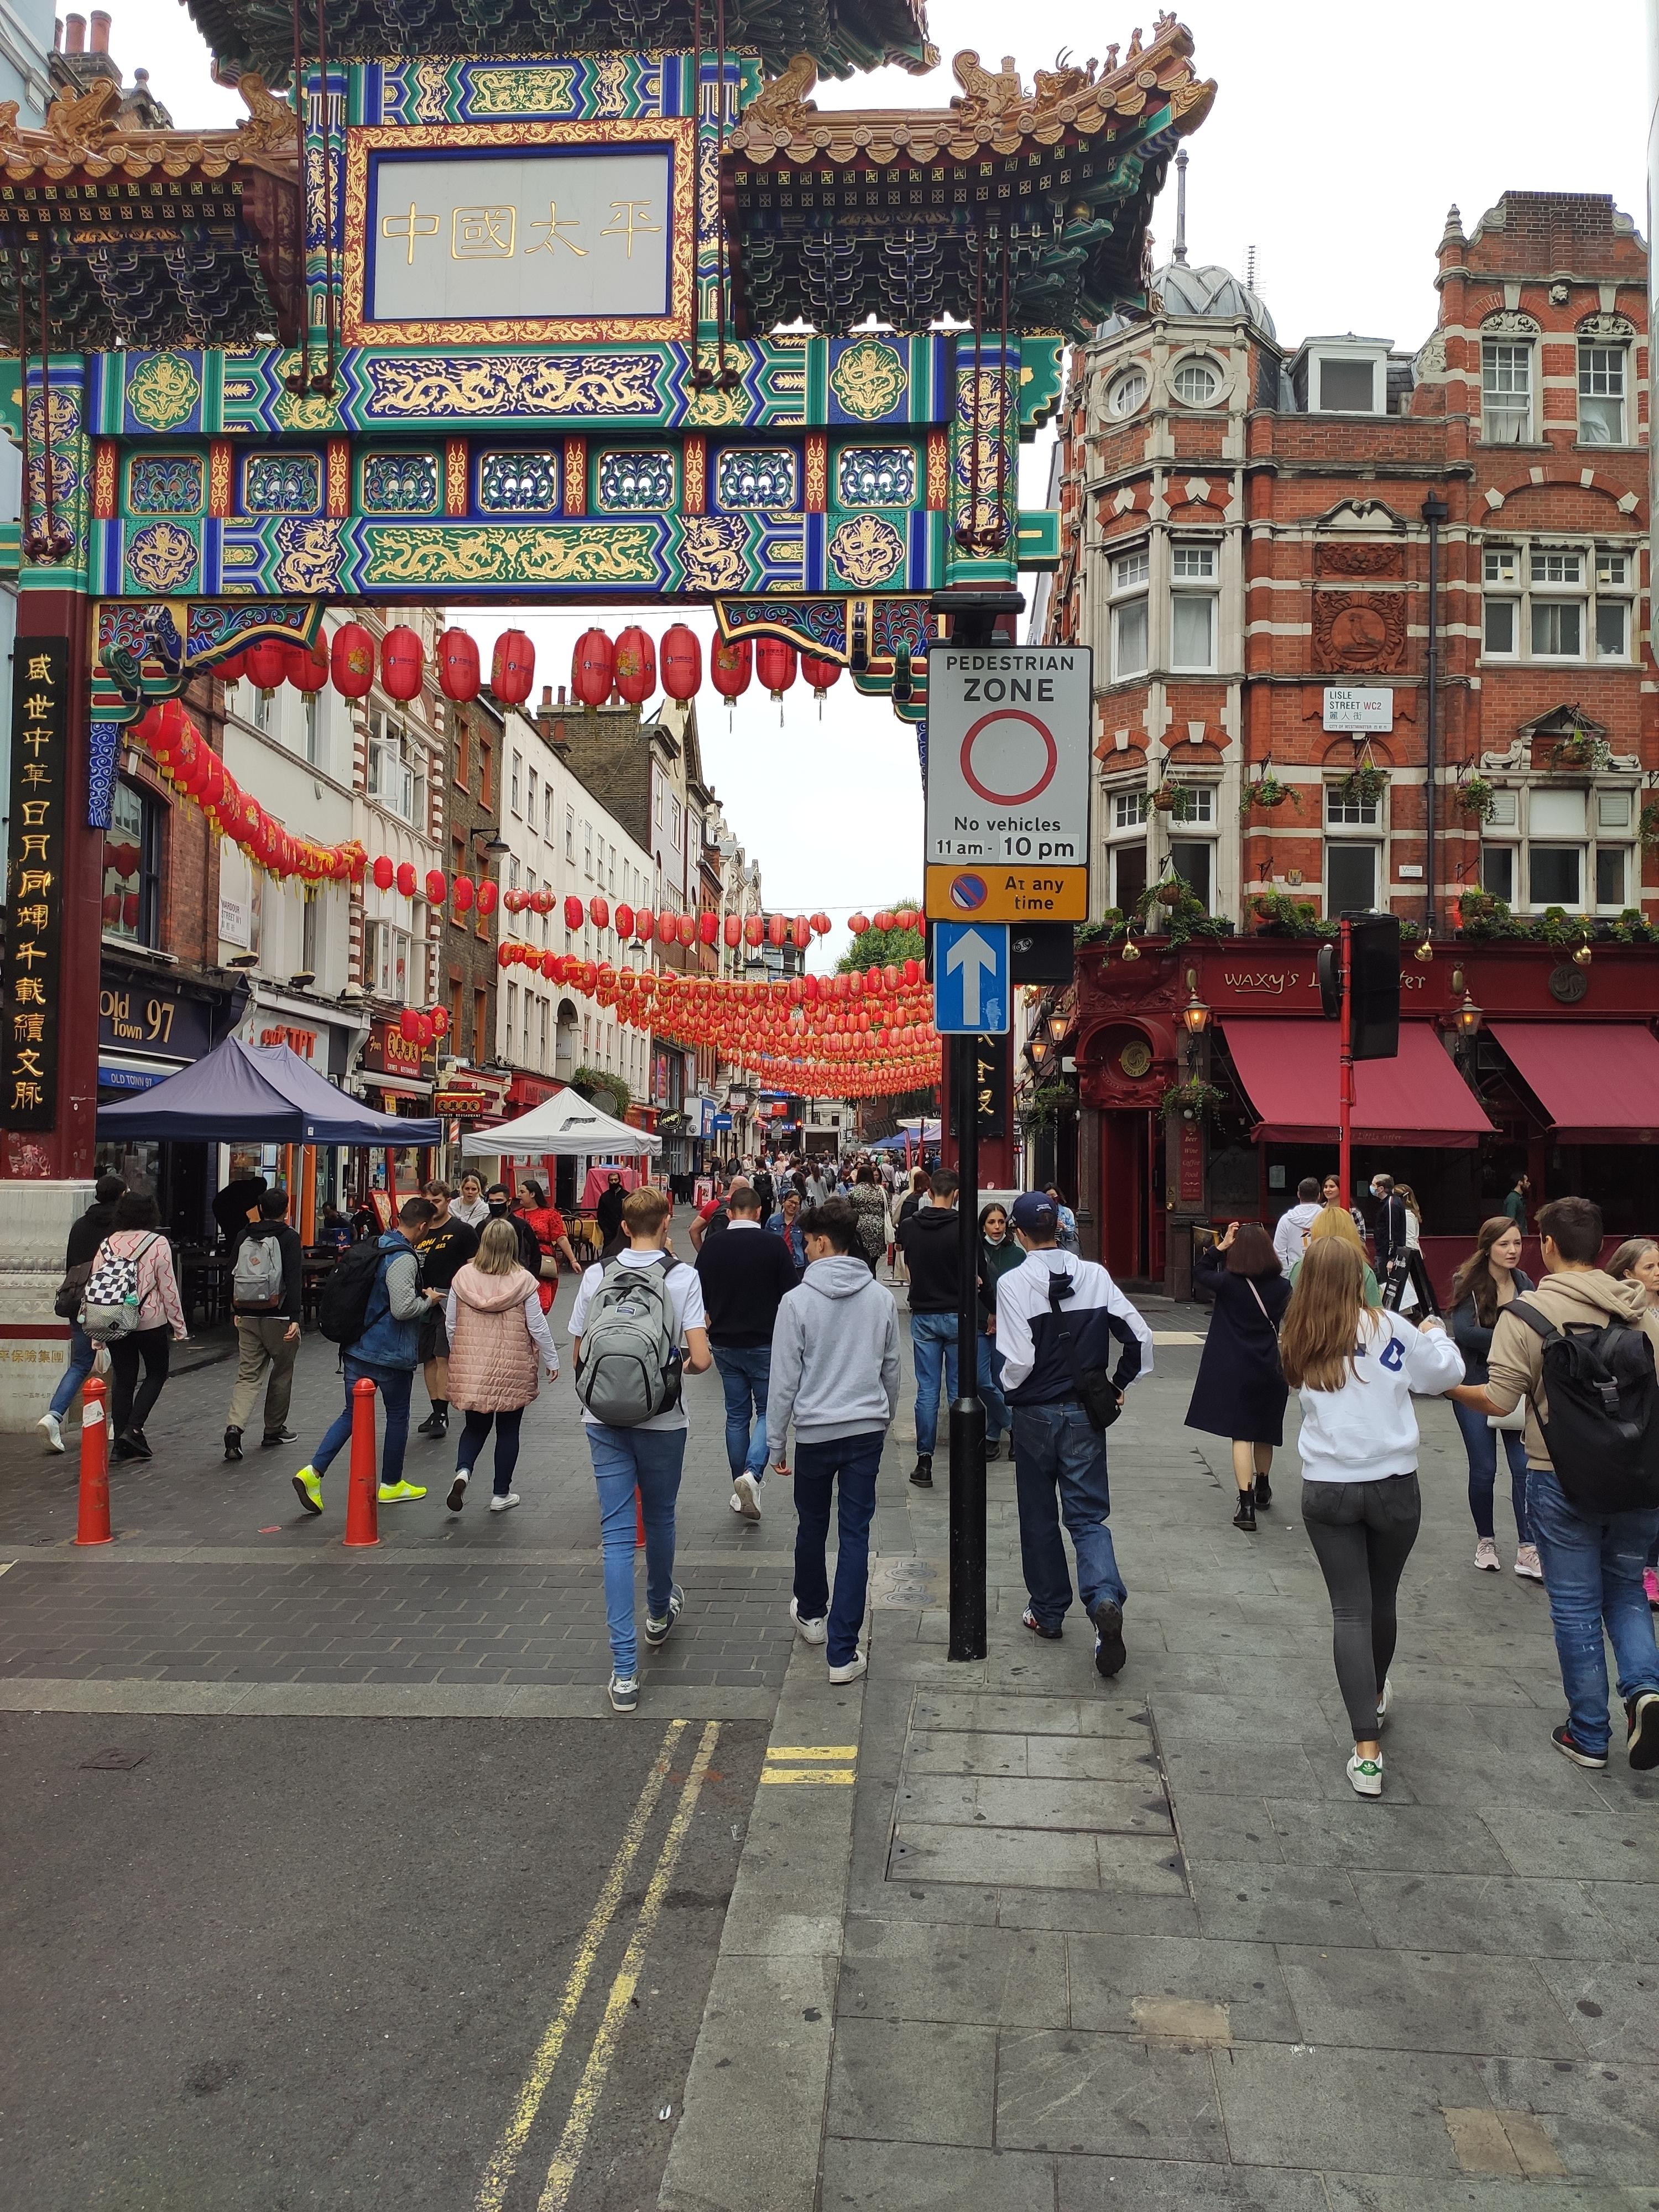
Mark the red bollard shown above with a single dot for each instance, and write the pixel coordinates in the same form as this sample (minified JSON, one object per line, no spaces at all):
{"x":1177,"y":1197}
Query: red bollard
{"x":91,"y":1524}
{"x":362,"y":1490}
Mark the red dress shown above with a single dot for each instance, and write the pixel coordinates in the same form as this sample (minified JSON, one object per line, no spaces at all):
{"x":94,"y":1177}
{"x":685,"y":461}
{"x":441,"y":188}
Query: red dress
{"x":548,"y":1223}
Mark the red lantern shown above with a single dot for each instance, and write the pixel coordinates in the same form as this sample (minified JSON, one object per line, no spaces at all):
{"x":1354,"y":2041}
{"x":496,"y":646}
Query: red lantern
{"x":513,"y":667}
{"x":889,"y":976}
{"x":820,"y":925}
{"x":487,"y":895}
{"x":884,"y":920}
{"x":912,"y":971}
{"x":232,"y":668}
{"x":598,"y":912}
{"x":820,"y":674}
{"x":624,"y":921}
{"x":734,"y":929}
{"x":267,"y":663}
{"x":405,"y":878}
{"x":436,"y":885}
{"x":905,"y":918}
{"x":635,"y":669}
{"x":774,"y":930}
{"x":730,"y":665}
{"x":644,"y":923}
{"x":384,"y":873}
{"x":409,"y":1024}
{"x":709,"y":927}
{"x":463,"y":895}
{"x":593,"y":668}
{"x":516,"y":902}
{"x":859,"y":924}
{"x":458,"y":664}
{"x":423,"y":1029}
{"x":351,"y":660}
{"x":752,"y":930}
{"x":402,"y":662}
{"x":306,"y":667}
{"x":573,"y":912}
{"x":681,"y":662}
{"x":774,"y":665}
{"x":441,"y":1021}
{"x":542,"y":901}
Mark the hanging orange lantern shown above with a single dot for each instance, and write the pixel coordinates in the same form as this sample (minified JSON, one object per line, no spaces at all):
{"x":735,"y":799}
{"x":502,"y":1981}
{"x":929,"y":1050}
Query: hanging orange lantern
{"x":774,"y":665}
{"x":859,"y":924}
{"x":709,"y":927}
{"x":463,"y":895}
{"x":644,"y":923}
{"x":624,"y":921}
{"x":573,"y":912}
{"x":732,"y":930}
{"x":598,"y":912}
{"x":384,"y":873}
{"x":751,"y":929}
{"x":819,"y":673}
{"x":774,"y":926}
{"x":267,"y":663}
{"x":487,"y":895}
{"x":306,"y":666}
{"x":436,"y":885}
{"x":405,"y":878}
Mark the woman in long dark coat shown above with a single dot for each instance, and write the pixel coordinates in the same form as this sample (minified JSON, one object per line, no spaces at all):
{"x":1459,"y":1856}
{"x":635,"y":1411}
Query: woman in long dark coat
{"x":1240,"y":1392}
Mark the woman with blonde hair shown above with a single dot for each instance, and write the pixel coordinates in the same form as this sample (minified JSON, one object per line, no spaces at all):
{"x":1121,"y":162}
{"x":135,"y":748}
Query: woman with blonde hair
{"x":1337,"y":1221}
{"x":1355,"y":1366}
{"x":498,"y":1335}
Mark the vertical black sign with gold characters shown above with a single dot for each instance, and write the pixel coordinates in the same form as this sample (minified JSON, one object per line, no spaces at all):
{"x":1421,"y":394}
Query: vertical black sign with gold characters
{"x":34,"y":887}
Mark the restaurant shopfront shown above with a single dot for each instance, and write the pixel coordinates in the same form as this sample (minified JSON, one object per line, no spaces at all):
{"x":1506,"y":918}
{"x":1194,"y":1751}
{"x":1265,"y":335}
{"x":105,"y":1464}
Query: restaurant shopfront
{"x":1207,"y":1088}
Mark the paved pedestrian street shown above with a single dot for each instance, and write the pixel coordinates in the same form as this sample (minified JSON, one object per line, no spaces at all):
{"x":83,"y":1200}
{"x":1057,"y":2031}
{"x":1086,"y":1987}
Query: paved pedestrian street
{"x":332,"y":1879}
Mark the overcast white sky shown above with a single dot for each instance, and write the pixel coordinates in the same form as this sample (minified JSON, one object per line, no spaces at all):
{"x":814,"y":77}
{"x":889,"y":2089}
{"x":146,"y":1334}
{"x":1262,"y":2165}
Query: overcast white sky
{"x":1338,"y":138}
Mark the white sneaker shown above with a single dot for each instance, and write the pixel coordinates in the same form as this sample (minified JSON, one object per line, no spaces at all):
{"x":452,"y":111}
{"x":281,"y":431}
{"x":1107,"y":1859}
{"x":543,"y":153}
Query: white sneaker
{"x":1383,"y":1703}
{"x":54,"y":1430}
{"x":810,"y":1632}
{"x":745,"y":1496}
{"x":504,"y":1504}
{"x":850,"y":1673}
{"x":1485,"y":1555}
{"x":1366,"y":1776}
{"x":1527,"y":1563}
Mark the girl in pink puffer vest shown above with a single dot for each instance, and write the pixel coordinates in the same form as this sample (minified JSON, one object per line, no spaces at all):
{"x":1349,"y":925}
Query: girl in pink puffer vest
{"x":498,"y":1339}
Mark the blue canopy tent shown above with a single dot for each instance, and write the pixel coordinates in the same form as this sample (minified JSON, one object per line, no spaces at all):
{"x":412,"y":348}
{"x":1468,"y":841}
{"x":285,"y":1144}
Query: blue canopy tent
{"x":249,"y":1094}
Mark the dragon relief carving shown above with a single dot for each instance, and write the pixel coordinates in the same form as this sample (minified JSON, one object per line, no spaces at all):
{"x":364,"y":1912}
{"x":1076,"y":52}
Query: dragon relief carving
{"x":81,"y":123}
{"x":782,"y":104}
{"x":270,"y":126}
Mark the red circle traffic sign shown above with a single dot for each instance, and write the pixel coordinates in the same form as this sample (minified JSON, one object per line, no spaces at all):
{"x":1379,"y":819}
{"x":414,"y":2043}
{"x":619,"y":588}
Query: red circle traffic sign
{"x":1009,"y":797}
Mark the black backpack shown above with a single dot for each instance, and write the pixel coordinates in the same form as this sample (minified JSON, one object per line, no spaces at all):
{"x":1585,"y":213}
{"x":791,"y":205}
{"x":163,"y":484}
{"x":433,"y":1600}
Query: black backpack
{"x":343,"y":1308}
{"x":1602,"y":1434}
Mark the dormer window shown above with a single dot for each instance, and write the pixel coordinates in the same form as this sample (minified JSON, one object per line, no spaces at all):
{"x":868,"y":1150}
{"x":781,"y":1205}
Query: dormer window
{"x":1342,"y":375}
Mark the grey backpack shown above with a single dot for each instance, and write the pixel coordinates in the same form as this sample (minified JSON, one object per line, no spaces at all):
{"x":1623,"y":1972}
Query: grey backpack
{"x":629,"y":1369}
{"x":256,"y":1282}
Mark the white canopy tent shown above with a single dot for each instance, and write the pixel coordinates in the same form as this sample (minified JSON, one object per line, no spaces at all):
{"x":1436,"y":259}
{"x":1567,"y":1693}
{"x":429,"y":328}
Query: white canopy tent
{"x":567,"y":1125}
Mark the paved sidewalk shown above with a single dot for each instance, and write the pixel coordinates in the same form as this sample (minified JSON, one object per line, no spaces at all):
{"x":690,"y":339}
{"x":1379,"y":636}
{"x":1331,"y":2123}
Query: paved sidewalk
{"x":1136,"y":1944}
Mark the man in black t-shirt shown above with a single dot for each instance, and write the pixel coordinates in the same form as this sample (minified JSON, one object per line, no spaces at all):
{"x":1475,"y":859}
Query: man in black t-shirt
{"x":744,"y":1271}
{"x":443,"y":1248}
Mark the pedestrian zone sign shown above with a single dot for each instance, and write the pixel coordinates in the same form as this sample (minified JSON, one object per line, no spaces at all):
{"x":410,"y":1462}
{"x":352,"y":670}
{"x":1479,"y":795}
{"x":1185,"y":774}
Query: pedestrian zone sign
{"x":970,"y":978}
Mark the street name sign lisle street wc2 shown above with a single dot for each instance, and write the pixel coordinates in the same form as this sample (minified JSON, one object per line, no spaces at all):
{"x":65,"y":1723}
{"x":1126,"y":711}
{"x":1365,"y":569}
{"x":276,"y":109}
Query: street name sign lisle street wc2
{"x":1008,"y":777}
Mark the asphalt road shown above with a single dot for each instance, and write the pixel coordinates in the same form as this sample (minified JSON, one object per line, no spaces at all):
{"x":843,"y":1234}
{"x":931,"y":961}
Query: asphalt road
{"x":281,"y":1964}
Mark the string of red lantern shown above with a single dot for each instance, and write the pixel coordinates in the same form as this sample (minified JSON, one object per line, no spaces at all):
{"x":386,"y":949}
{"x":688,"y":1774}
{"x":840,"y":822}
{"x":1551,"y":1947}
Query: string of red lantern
{"x":187,"y":761}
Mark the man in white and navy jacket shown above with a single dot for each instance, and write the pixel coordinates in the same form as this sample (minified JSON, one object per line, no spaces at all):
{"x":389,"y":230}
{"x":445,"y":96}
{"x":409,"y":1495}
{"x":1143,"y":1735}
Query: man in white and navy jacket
{"x":1060,"y":1319}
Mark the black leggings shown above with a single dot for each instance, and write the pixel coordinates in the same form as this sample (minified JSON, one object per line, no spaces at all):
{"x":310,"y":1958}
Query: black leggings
{"x":129,"y":1408}
{"x":1363,"y":1533}
{"x":507,"y":1445}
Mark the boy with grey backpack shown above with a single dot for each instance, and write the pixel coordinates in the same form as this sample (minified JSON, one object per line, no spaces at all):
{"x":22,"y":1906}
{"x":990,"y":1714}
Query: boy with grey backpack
{"x":265,"y":1298}
{"x":631,"y":1317}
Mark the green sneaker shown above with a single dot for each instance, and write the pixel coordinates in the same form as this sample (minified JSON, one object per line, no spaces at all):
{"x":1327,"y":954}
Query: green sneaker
{"x":308,"y":1489}
{"x":399,"y":1493}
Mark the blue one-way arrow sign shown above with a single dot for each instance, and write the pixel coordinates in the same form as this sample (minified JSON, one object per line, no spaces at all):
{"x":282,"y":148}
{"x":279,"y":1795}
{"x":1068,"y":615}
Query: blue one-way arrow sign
{"x":970,"y":978}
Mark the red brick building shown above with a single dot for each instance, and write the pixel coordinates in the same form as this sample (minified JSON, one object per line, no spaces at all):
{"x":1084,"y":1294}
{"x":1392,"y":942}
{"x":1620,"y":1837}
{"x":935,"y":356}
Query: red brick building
{"x":1266,"y":546}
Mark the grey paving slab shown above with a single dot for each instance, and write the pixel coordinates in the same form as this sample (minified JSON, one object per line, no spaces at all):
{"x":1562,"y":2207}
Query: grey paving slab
{"x":1592,"y":1844}
{"x":1614,"y":2006}
{"x":1100,"y":1807}
{"x":1033,"y":1857}
{"x":1113,"y":1977}
{"x":928,"y":1971}
{"x":1603,"y":2119}
{"x":1370,"y":2111}
{"x":1028,"y":1716}
{"x":1240,"y":1900}
{"x":890,"y":2083}
{"x":1425,"y":2000}
{"x":1631,"y":1910}
{"x":1544,"y":1917}
{"x":1390,"y":2192}
{"x":1134,"y":2184}
{"x":1070,"y":2091}
{"x":867,"y":2177}
{"x":1425,"y":1839}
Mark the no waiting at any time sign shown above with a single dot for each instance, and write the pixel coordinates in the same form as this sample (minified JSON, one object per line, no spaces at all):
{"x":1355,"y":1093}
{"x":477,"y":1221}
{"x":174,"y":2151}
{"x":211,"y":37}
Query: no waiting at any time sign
{"x":1008,"y":777}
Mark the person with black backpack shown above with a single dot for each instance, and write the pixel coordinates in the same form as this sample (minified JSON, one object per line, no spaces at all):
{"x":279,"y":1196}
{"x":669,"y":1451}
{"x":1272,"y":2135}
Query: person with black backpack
{"x":264,"y":1297}
{"x":1580,"y":1349}
{"x":371,"y":1306}
{"x":627,"y":1326}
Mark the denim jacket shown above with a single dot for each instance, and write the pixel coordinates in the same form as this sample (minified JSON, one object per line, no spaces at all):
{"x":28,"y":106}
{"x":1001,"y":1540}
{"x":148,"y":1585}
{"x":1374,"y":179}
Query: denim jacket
{"x":392,"y":1335}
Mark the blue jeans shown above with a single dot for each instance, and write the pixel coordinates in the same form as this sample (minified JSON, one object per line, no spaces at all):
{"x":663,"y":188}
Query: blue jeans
{"x":1593,"y":1575}
{"x":933,"y":1341}
{"x":1055,"y":1450}
{"x":82,"y":1353}
{"x":393,"y":1384}
{"x":848,"y":1466}
{"x":1480,"y":1442}
{"x":625,"y":1461}
{"x":997,"y":1416}
{"x":745,"y":1370}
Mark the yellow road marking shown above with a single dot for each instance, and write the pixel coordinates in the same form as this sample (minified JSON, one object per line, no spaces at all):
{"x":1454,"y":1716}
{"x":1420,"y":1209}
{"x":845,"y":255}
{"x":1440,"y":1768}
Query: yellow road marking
{"x":562,"y":2173}
{"x":813,"y":1750}
{"x":504,"y":2162}
{"x":809,"y":1774}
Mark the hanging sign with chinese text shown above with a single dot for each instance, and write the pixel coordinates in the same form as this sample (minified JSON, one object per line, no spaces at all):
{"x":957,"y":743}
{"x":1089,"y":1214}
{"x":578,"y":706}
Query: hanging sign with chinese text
{"x":40,"y":739}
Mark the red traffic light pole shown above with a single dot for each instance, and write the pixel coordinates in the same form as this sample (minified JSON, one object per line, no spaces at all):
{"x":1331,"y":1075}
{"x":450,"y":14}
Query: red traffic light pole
{"x":1345,"y":1054}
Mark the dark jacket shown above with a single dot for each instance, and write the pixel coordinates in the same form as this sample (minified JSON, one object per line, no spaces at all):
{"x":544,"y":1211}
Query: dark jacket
{"x":1239,"y":1391}
{"x":931,"y":1240}
{"x":288,"y":1244}
{"x":530,"y":1250}
{"x":1473,"y":1341}
{"x":86,"y":1234}
{"x":608,"y":1211}
{"x":1391,"y":1243}
{"x":744,"y":1274}
{"x":994,"y":1263}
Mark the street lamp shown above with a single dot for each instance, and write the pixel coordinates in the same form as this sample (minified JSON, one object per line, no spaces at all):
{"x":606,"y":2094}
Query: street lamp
{"x":1038,"y":1051}
{"x":1195,"y":1019}
{"x":1469,"y":1018}
{"x":1058,"y":1024}
{"x":496,"y":846}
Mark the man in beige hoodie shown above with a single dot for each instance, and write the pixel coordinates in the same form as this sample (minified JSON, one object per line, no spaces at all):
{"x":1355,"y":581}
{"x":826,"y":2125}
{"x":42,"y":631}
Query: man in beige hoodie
{"x":1592,"y":1566}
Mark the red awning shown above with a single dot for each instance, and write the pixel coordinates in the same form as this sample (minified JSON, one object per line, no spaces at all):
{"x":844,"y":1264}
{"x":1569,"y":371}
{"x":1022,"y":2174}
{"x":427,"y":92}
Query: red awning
{"x":1288,"y":1070}
{"x":1597,"y":1081}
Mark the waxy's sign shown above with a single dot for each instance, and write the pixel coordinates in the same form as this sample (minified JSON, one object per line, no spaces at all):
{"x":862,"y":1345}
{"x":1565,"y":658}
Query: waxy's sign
{"x":1285,"y":985}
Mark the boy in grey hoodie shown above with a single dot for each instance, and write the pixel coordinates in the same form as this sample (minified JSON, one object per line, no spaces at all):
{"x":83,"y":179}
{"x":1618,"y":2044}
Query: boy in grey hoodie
{"x":835,"y":1374}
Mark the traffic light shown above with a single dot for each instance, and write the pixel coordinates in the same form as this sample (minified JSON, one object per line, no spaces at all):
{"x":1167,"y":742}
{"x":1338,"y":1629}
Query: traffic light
{"x":1375,"y":967}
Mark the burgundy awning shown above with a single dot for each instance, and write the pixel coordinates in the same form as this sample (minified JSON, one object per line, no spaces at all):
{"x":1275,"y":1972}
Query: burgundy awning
{"x":1289,"y":1072}
{"x":1597,"y":1081}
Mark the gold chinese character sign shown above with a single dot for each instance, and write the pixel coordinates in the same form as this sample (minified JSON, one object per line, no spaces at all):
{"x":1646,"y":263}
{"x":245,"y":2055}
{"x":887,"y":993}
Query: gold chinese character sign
{"x":29,"y":981}
{"x":487,"y":233}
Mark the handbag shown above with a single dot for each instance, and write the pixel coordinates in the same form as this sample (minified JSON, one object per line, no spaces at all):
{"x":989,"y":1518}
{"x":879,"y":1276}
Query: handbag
{"x":1097,"y":1392}
{"x":1513,"y":1423}
{"x":1271,"y":1322}
{"x":549,"y":1268}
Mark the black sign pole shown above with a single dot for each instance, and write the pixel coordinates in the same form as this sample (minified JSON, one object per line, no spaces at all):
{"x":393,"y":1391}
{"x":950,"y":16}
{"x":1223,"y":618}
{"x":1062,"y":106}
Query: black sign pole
{"x":967,"y":1411}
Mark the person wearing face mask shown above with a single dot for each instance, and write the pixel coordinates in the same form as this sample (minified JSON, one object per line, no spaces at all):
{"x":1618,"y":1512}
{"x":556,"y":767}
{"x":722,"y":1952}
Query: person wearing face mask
{"x":500,"y":1209}
{"x":997,"y":1254}
{"x":1392,"y":1240}
{"x":1486,"y":1283}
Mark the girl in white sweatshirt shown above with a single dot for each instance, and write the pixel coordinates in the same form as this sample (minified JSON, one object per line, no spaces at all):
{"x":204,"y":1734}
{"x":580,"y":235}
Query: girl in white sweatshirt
{"x":1355,"y":1367}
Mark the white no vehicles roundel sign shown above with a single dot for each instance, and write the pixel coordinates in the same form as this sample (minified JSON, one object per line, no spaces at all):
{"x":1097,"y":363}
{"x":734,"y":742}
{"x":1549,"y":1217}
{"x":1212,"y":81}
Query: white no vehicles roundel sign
{"x":1008,"y":761}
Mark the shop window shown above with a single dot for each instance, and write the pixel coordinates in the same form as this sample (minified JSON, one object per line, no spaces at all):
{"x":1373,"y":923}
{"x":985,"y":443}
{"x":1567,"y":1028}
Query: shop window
{"x":1130,"y":574}
{"x":1505,"y":393}
{"x":132,"y":867}
{"x":1352,"y":870}
{"x":1129,"y":873}
{"x":1600,"y":395}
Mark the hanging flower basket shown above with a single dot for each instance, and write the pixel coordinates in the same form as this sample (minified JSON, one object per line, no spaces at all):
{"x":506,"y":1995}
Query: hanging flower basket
{"x":1474,"y":795}
{"x":1167,"y":797}
{"x":1362,"y":786}
{"x":1580,"y":748}
{"x":1191,"y":1101}
{"x":1170,"y":894}
{"x":1647,"y":829}
{"x":1268,"y":794}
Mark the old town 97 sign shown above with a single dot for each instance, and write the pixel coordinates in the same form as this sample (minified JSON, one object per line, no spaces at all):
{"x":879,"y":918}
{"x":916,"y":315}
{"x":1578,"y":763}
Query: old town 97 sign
{"x":34,"y":888}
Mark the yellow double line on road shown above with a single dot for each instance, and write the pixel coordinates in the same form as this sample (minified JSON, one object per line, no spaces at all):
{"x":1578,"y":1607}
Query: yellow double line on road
{"x":833,"y":1763}
{"x":573,"y":2140}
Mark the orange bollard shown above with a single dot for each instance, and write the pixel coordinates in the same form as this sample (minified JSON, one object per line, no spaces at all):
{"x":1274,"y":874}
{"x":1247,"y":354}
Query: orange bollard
{"x":362,"y":1490}
{"x":91,"y":1523}
{"x":639,"y":1520}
